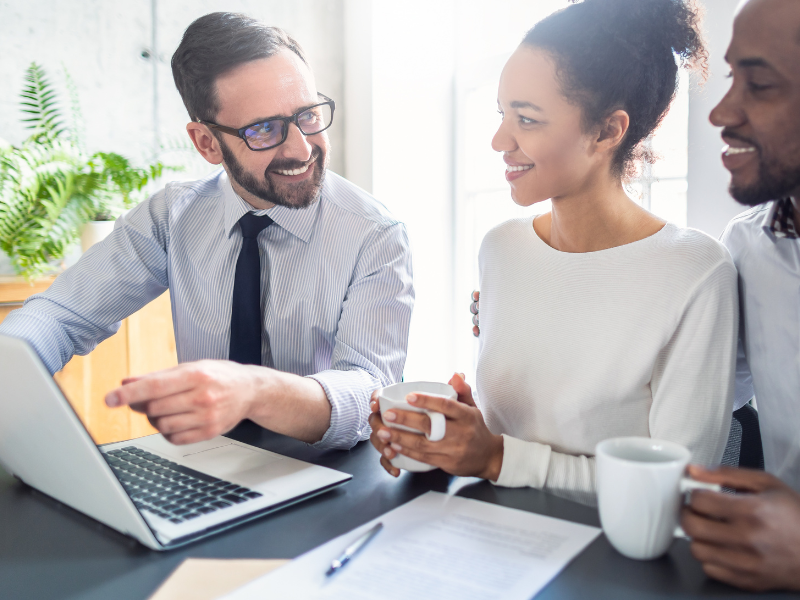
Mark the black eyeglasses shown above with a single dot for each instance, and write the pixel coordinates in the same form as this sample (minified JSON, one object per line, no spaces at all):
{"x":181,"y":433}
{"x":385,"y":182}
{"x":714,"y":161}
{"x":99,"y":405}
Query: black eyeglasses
{"x":268,"y":134}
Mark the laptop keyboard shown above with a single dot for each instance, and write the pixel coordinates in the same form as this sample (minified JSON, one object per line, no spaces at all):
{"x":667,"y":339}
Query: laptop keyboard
{"x":170,"y":490}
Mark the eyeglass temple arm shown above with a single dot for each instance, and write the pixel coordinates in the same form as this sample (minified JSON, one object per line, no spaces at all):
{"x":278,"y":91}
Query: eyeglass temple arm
{"x":222,"y":128}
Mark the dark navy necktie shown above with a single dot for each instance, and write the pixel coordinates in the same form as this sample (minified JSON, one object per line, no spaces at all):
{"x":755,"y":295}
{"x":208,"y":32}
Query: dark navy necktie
{"x":246,"y":321}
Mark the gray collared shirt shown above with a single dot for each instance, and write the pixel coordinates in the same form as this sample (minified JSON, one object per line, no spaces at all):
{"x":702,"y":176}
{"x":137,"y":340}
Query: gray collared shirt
{"x":336,"y":286}
{"x":769,"y":334}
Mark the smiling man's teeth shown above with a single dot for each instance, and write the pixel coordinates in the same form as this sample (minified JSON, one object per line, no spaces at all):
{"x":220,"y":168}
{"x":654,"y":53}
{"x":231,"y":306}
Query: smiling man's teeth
{"x":510,"y":169}
{"x":730,"y":150}
{"x":294,"y":171}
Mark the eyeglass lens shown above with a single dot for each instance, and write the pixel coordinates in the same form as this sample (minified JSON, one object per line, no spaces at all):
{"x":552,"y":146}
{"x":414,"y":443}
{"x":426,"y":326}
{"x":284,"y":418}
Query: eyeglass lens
{"x":271,"y":133}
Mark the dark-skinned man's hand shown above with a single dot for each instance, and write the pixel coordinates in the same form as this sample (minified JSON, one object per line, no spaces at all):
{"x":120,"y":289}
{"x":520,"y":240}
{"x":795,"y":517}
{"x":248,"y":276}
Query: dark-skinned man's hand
{"x":750,"y":540}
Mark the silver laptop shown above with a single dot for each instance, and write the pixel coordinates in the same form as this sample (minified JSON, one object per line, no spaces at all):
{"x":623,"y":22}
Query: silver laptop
{"x":163,"y":495}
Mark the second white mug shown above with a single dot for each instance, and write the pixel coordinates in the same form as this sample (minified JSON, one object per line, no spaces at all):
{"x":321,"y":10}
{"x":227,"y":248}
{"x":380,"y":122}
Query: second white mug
{"x":640,"y":487}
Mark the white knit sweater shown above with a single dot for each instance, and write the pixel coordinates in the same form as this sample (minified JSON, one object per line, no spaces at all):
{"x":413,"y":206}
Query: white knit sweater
{"x":580,"y":347}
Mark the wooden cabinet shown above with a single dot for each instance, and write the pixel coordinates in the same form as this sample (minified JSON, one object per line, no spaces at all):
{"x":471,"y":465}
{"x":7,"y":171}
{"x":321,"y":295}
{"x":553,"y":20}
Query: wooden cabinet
{"x":145,"y":342}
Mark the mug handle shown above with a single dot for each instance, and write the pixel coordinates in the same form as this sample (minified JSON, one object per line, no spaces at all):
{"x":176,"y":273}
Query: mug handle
{"x":687,"y":485}
{"x":437,"y":426}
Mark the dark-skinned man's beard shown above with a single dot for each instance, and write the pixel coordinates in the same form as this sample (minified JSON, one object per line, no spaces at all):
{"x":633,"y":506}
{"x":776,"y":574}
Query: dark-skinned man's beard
{"x":775,"y":180}
{"x":296,"y":195}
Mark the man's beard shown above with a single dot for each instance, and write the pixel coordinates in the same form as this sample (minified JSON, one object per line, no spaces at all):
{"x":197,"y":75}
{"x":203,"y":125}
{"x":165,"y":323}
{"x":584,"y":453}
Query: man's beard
{"x":775,"y":181}
{"x":299,"y":195}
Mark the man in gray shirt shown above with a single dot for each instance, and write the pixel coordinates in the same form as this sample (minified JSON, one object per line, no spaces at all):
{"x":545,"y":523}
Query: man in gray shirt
{"x":752,"y":539}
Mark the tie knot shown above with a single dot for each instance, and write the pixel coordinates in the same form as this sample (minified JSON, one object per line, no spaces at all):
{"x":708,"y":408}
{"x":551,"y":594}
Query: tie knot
{"x":252,"y":224}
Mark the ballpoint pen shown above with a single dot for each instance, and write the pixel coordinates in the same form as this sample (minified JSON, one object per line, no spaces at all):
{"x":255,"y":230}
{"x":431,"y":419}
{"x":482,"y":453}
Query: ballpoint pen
{"x":352,"y":549}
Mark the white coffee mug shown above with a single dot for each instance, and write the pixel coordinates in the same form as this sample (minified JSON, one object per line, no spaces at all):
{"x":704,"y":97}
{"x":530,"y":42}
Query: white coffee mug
{"x":393,"y":397}
{"x":640,"y":489}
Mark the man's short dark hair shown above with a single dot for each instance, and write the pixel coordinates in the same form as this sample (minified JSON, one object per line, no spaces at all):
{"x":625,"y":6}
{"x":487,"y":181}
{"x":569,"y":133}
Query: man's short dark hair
{"x":213,"y":45}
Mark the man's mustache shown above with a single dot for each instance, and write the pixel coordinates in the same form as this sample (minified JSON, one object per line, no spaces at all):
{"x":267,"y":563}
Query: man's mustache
{"x":728,"y":134}
{"x":290,"y":165}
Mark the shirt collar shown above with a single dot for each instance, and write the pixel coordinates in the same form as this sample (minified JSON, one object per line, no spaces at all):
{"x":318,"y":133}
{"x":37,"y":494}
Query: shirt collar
{"x":297,"y":221}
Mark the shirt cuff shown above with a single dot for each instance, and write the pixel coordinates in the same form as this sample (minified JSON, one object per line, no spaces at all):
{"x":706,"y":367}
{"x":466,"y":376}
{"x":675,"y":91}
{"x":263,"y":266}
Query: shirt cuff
{"x":349,"y":393}
{"x":525,"y":464}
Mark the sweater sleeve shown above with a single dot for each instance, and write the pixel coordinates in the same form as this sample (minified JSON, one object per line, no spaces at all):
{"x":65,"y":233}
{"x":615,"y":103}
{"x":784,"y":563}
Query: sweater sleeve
{"x":531,"y":464}
{"x":692,"y":388}
{"x":693,"y":378}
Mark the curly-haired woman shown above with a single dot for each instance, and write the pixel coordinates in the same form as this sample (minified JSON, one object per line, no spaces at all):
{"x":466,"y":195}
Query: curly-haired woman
{"x":598,"y":319}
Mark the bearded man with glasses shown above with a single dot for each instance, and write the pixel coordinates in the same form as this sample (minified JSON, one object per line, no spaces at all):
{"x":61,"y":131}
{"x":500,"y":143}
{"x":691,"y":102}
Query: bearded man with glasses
{"x":291,"y":287}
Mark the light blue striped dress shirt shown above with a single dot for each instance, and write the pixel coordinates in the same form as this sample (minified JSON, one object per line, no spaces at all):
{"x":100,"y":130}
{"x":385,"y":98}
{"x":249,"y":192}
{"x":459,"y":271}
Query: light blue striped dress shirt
{"x":336,"y":284}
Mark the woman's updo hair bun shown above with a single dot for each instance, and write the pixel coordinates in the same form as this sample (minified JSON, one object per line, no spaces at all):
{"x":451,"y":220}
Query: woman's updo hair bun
{"x":622,"y":54}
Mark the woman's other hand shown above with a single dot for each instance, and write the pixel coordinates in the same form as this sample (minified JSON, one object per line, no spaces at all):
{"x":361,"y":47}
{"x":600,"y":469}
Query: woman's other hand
{"x":468,"y":448}
{"x":475,"y":308}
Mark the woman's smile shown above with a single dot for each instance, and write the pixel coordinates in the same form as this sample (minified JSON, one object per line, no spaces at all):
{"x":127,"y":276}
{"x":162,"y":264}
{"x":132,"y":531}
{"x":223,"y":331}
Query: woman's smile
{"x":515,"y":171}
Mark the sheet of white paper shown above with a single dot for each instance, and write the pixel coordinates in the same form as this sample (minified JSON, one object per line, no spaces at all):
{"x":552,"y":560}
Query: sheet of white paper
{"x":436,"y":546}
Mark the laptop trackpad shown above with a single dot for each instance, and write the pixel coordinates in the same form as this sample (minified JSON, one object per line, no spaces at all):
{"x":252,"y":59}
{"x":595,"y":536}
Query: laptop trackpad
{"x":226,"y":461}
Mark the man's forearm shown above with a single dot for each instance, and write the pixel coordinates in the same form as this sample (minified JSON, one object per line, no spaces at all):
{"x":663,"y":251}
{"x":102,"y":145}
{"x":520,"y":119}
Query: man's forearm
{"x":291,"y":405}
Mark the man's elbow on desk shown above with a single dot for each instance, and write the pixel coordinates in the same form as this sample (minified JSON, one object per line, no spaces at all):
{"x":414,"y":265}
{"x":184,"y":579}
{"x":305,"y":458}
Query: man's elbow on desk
{"x":199,"y":400}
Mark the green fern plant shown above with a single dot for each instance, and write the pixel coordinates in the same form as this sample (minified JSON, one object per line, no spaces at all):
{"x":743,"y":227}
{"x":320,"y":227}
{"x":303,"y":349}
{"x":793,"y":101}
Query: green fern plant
{"x":50,"y":187}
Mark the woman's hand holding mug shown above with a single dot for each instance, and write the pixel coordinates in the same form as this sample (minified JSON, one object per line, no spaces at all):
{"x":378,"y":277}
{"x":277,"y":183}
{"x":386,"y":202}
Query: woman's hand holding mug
{"x":467,"y":449}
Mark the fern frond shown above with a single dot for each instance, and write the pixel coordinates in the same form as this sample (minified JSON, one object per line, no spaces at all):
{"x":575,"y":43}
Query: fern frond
{"x":38,"y":99}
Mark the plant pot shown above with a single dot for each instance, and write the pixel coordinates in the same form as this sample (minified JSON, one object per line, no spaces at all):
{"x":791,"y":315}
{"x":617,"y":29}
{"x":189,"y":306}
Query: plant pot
{"x":95,"y":231}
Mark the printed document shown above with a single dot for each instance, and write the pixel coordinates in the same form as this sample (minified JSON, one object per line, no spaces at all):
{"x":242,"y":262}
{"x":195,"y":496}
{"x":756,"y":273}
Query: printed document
{"x":436,"y":546}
